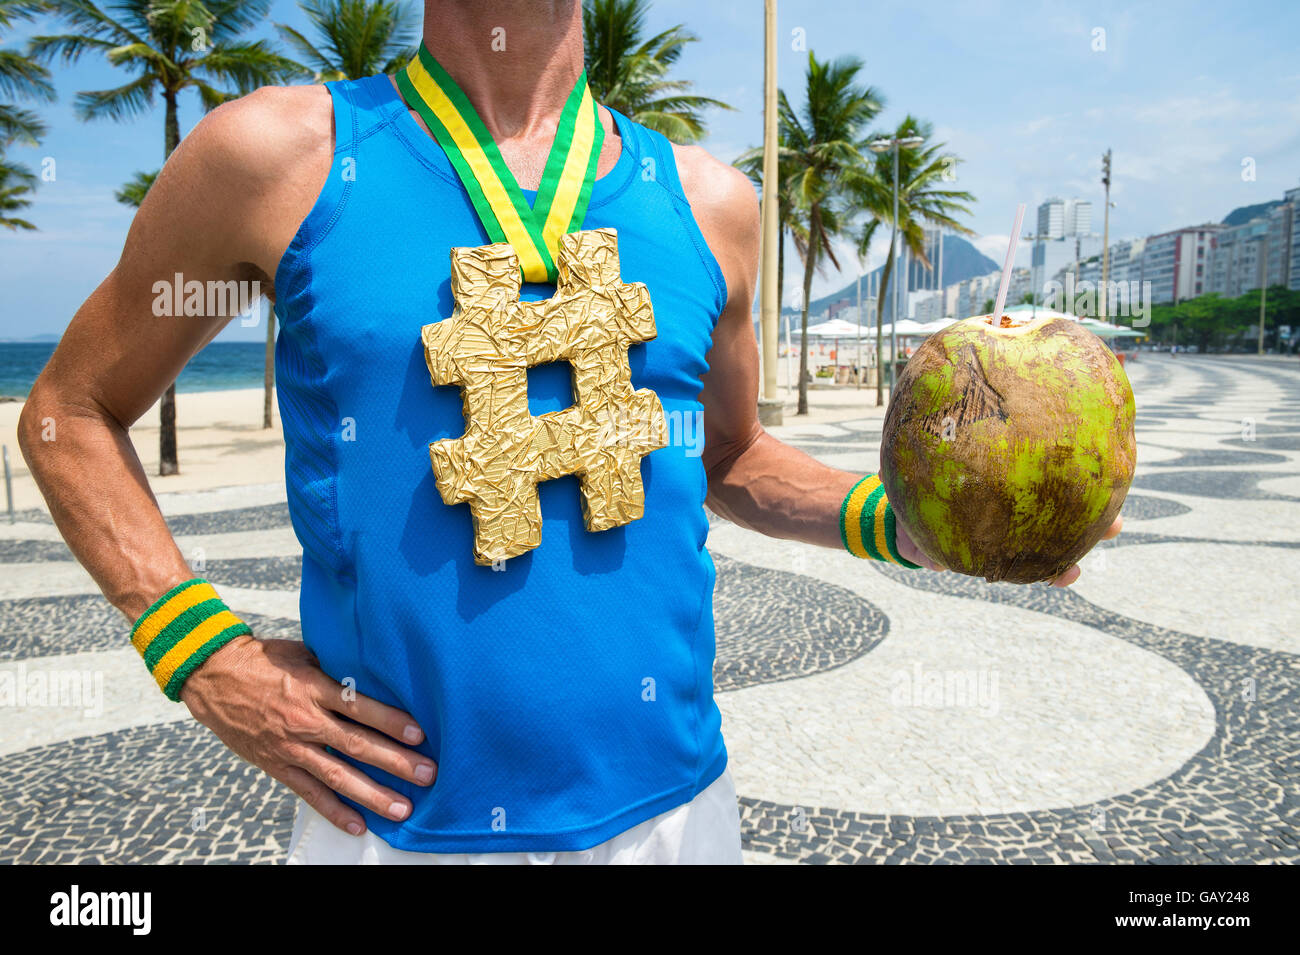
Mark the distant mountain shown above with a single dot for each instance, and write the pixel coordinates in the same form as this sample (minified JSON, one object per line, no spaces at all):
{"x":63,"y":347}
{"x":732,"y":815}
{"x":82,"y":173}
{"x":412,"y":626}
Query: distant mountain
{"x":32,"y":339}
{"x":1244,"y":214}
{"x":961,"y":261}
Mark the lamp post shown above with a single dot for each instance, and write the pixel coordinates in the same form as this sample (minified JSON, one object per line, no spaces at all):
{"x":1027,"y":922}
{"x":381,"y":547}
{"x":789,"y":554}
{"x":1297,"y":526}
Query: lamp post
{"x":880,"y":146}
{"x":1105,"y":235}
{"x":858,"y":383}
{"x":1078,"y":251}
{"x":1263,"y":288}
{"x":938,"y":277}
{"x":769,"y":406}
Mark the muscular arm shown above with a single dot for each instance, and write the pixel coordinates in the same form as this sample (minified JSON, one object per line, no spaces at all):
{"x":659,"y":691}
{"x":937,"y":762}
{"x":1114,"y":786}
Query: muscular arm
{"x":224,"y":208}
{"x":755,"y":480}
{"x":207,"y":218}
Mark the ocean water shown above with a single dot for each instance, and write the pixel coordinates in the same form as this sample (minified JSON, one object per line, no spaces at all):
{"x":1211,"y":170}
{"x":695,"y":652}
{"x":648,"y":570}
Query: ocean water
{"x":221,"y":366}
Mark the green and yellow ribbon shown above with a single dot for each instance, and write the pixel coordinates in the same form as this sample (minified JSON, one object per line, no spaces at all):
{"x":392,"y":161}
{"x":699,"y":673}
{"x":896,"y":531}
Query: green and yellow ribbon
{"x":565,"y":189}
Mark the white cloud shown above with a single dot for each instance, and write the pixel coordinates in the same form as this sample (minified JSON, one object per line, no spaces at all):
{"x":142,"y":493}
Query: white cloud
{"x":995,"y":246}
{"x":1035,"y":125}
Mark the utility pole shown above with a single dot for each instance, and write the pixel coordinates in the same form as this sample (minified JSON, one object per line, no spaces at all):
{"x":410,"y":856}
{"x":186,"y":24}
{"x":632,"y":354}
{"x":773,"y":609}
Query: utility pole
{"x":770,"y":406}
{"x":9,"y":485}
{"x":938,"y":279}
{"x":893,"y":320}
{"x":1104,"y":292}
{"x":1078,"y":251}
{"x":1263,"y":288}
{"x":859,"y":382}
{"x":880,"y":146}
{"x":789,"y":357}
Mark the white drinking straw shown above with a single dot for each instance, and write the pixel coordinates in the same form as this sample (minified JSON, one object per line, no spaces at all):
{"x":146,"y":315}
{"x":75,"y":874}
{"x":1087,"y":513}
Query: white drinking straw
{"x":1006,"y":266}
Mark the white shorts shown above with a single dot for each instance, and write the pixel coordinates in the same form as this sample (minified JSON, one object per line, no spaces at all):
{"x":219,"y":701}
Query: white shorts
{"x":704,"y":831}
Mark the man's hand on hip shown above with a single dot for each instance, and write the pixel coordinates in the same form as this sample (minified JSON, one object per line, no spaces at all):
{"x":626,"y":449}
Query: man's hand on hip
{"x":270,"y":702}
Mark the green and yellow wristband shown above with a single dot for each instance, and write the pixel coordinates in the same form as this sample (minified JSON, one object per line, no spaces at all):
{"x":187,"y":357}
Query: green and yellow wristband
{"x":181,"y":630}
{"x":867,"y":525}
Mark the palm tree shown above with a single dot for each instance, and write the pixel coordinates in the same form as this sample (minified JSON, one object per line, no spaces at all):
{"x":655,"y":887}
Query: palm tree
{"x":791,"y":220}
{"x":922,"y":200}
{"x":19,"y":125}
{"x":133,"y":192}
{"x":170,"y":46}
{"x":629,"y":74}
{"x":21,"y":77}
{"x":15,"y":185}
{"x":823,"y":148}
{"x":357,"y":38}
{"x":788,"y":220}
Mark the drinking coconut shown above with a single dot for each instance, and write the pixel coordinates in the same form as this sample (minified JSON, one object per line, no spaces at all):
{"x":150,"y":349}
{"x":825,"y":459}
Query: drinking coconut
{"x":1008,"y":448}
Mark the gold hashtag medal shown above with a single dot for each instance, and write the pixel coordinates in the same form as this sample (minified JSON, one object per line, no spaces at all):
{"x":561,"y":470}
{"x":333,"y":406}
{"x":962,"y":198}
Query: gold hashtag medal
{"x":487,"y":346}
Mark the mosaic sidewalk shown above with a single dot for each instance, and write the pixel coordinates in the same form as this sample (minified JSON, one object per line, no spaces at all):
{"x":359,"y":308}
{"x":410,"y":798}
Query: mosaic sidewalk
{"x":1150,"y":714}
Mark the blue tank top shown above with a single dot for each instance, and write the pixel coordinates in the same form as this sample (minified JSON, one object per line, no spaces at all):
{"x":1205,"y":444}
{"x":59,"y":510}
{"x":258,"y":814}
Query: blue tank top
{"x":568,"y":696}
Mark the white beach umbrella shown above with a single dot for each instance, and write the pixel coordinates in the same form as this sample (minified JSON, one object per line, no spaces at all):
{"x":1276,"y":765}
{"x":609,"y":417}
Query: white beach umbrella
{"x":909,"y":327}
{"x":835,"y":328}
{"x":938,"y":325}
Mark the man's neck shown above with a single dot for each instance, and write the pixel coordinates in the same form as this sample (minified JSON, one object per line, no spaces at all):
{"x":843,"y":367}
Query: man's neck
{"x":516,"y":60}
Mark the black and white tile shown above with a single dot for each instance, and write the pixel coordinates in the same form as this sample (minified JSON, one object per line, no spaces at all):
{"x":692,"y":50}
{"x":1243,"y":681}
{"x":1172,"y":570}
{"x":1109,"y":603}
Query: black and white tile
{"x":1151,"y":714}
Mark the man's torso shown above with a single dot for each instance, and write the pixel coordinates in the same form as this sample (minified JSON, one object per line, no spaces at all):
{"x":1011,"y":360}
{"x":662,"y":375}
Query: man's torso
{"x":568,"y":695}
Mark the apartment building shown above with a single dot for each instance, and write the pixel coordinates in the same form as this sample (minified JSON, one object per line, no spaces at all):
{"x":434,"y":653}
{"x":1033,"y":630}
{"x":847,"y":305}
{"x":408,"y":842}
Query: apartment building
{"x":1177,"y":263}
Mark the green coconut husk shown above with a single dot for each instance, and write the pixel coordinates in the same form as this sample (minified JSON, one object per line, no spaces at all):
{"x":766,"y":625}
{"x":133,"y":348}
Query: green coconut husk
{"x":1007,"y":452}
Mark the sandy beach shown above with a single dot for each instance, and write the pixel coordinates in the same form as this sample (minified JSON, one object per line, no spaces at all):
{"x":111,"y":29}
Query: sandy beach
{"x":223,"y":444}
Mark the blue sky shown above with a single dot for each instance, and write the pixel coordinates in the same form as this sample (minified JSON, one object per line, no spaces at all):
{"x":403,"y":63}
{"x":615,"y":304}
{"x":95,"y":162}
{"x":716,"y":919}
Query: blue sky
{"x":1182,"y":92}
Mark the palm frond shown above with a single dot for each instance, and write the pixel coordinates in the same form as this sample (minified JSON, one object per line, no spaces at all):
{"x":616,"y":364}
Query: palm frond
{"x":16,"y":171}
{"x":89,"y":22}
{"x":19,"y":126}
{"x":400,"y":59}
{"x":313,"y":59}
{"x":246,"y":65}
{"x":210,"y":96}
{"x":133,"y":192}
{"x":234,"y":18}
{"x":13,"y":11}
{"x":631,"y":74}
{"x":66,"y":47}
{"x":141,"y":56}
{"x":22,"y":77}
{"x":117,"y":104}
{"x":15,"y":187}
{"x":356,"y":38}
